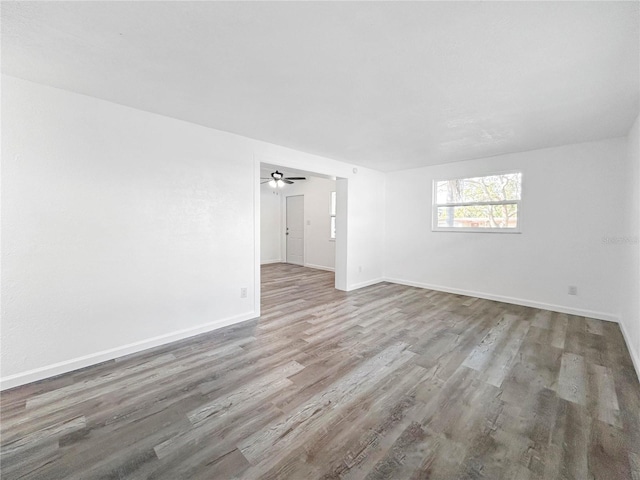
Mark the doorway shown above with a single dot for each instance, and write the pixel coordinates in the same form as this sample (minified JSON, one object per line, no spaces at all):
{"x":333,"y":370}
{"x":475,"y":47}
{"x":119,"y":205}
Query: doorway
{"x":295,"y":229}
{"x":311,"y":241}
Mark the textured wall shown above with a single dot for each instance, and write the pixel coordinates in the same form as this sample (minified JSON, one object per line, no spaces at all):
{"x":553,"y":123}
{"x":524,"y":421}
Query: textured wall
{"x":630,"y":247}
{"x":572,"y":200}
{"x":117,"y":226}
{"x":270,"y":225}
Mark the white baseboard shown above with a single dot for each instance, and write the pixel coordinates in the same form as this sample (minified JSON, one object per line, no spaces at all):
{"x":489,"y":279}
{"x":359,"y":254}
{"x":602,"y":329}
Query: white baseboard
{"x":634,"y":354}
{"x":368,"y":283}
{"x":610,"y":317}
{"x":110,"y":354}
{"x":319,"y":267}
{"x":266,"y":262}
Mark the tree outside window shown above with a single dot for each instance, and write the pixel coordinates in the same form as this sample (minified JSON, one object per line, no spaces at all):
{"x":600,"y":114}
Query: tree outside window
{"x":489,"y":203}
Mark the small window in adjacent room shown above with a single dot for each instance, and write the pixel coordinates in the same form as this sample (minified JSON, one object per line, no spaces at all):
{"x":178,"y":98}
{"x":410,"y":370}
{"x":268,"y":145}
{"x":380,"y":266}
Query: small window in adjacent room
{"x":333,"y":216}
{"x":478,"y":204}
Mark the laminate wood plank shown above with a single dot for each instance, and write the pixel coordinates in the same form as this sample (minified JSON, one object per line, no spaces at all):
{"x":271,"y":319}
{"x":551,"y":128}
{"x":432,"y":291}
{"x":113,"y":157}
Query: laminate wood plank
{"x":267,"y":441}
{"x":420,"y":450}
{"x":43,"y":436}
{"x":616,"y":353}
{"x":478,"y":326}
{"x":594,"y":326}
{"x":602,"y":398}
{"x":325,"y":446}
{"x":572,"y":382}
{"x":537,"y":366}
{"x":318,"y":377}
{"x":76,"y":392}
{"x":538,"y":429}
{"x":93,"y":453}
{"x":196,"y":457}
{"x":468,"y":409}
{"x":257,"y":388}
{"x":412,"y":449}
{"x":143,"y":382}
{"x":218,"y":451}
{"x":559,"y":325}
{"x":433,"y":348}
{"x":204,"y":421}
{"x":386,"y":382}
{"x":481,"y":355}
{"x":591,"y":347}
{"x":629,"y":403}
{"x":502,"y":360}
{"x":260,"y":358}
{"x":30,"y":462}
{"x":634,"y":464}
{"x":443,"y":408}
{"x":571,"y":439}
{"x":469,"y":301}
{"x":341,"y":450}
{"x":542,"y":319}
{"x":608,"y":457}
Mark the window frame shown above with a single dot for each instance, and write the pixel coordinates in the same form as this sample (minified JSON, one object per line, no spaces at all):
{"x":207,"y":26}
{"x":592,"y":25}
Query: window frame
{"x":435,"y":205}
{"x":333,"y":208}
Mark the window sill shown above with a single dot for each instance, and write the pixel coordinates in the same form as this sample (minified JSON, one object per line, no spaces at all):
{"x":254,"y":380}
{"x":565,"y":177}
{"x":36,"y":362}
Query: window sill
{"x":478,"y":230}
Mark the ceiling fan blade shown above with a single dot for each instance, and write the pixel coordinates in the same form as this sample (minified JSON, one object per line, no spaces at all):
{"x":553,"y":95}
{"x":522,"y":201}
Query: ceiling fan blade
{"x":287,"y":181}
{"x":295,"y":178}
{"x":266,"y":181}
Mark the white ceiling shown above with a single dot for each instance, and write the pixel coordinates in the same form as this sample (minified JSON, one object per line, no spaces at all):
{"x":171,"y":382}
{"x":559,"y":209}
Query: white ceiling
{"x":388,"y":85}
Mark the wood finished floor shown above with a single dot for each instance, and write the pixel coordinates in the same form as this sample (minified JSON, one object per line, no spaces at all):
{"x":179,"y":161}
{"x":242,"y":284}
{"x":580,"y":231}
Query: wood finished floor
{"x":387,"y":382}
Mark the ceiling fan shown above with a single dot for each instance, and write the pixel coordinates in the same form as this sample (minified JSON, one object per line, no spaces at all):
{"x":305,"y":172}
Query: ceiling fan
{"x":279,"y":180}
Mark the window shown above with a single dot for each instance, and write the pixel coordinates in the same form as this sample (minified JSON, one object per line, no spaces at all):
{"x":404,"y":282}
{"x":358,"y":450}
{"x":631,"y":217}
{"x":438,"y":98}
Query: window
{"x":333,"y":216}
{"x":478,"y":204}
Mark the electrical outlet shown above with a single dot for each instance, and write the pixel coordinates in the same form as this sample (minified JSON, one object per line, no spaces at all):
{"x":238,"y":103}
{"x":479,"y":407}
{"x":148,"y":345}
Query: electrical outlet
{"x":243,"y":292}
{"x":573,"y":290}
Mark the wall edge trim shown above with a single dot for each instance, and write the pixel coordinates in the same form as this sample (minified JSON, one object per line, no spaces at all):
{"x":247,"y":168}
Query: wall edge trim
{"x":70,"y":365}
{"x":319,"y":267}
{"x":610,"y":317}
{"x":368,"y":283}
{"x":634,"y":355}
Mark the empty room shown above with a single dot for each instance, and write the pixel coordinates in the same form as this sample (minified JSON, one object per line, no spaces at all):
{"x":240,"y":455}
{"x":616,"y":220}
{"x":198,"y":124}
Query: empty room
{"x":320,"y":240}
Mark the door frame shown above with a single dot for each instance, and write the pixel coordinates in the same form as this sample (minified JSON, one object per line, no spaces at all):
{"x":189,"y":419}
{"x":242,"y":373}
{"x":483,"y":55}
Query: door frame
{"x":285,"y":233}
{"x":324,"y":168}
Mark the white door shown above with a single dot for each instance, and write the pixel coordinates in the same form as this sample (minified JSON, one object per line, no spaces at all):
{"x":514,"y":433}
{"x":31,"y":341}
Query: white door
{"x":295,"y":229}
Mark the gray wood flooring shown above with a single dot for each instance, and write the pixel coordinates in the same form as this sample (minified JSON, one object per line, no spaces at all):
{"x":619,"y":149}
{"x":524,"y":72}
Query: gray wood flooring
{"x":387,"y":382}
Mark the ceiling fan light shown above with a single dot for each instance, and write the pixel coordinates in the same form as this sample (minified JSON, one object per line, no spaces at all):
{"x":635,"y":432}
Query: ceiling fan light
{"x":273,"y":184}
{"x":280,"y":183}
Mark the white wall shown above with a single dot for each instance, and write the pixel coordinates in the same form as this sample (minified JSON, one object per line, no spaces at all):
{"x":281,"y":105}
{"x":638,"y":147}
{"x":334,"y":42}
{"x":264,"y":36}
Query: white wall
{"x":116,"y":226}
{"x":119,"y":233}
{"x":319,"y":249}
{"x":366,"y":226}
{"x":629,"y":247}
{"x":270,"y":225}
{"x":572,"y":199}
